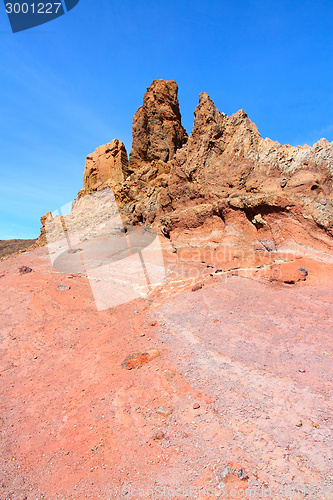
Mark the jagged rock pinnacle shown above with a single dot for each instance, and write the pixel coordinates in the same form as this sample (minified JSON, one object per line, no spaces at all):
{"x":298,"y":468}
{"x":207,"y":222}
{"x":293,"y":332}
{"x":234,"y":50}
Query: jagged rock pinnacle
{"x":157,"y":129}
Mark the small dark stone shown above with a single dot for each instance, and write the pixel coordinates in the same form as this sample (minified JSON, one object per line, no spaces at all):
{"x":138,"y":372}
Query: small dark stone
{"x":303,"y":270}
{"x":197,"y":287}
{"x":25,"y":270}
{"x":158,"y":436}
{"x":283,"y":183}
{"x":63,"y":287}
{"x":196,"y":406}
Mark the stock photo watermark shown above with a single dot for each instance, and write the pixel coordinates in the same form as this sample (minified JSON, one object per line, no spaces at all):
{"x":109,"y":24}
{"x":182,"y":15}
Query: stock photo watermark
{"x":26,"y":15}
{"x":88,"y":236}
{"x":123,"y":263}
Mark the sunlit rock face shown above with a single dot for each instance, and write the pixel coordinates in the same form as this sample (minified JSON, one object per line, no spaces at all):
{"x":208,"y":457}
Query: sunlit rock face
{"x":224,"y":178}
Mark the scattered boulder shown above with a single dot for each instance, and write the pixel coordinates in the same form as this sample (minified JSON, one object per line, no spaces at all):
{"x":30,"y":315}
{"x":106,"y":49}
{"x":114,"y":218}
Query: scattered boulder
{"x":165,"y":412}
{"x":232,"y":468}
{"x":25,"y":270}
{"x":303,"y":270}
{"x":63,"y":287}
{"x":196,"y":287}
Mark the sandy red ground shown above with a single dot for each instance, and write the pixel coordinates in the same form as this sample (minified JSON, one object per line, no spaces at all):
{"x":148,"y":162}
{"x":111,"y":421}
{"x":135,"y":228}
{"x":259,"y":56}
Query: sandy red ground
{"x":254,"y":357}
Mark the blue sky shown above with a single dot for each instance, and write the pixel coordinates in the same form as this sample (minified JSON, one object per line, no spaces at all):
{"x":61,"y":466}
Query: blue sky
{"x":73,"y":84}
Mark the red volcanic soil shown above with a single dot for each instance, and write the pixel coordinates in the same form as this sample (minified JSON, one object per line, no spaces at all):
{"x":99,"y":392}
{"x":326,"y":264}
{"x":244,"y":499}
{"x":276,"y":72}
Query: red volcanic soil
{"x":225,"y":386}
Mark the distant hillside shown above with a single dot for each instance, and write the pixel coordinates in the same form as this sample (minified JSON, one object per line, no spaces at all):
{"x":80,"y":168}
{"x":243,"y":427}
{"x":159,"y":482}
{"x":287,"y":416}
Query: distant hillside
{"x":8,"y":247}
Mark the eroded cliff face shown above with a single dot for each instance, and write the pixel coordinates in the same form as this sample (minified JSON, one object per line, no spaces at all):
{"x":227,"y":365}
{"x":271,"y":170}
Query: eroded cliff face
{"x":107,"y":164}
{"x":224,"y":177}
{"x":226,"y":164}
{"x":225,"y":155}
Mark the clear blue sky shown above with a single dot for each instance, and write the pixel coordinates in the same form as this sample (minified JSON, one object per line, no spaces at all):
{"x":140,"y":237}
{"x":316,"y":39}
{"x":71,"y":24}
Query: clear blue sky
{"x":73,"y":84}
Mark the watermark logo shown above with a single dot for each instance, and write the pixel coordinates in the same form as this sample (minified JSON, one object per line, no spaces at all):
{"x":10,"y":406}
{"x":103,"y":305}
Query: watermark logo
{"x":88,"y":236}
{"x":25,"y":15}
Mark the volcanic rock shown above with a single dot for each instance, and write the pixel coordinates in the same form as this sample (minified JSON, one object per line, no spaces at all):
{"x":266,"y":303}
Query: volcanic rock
{"x":226,"y":163}
{"x":41,"y":240}
{"x":63,"y":287}
{"x":157,"y":128}
{"x":233,"y":206}
{"x":107,"y":163}
{"x":25,"y":270}
{"x":224,"y":184}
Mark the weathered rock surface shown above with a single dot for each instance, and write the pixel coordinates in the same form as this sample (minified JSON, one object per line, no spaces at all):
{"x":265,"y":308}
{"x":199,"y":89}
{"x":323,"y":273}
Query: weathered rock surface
{"x":109,"y":163}
{"x":157,"y":128}
{"x":227,"y":164}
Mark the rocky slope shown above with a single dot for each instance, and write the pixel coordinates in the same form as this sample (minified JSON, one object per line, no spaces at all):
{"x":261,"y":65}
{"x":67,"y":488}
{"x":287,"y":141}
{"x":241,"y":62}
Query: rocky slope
{"x":219,"y":378}
{"x":243,"y":375}
{"x":8,"y":247}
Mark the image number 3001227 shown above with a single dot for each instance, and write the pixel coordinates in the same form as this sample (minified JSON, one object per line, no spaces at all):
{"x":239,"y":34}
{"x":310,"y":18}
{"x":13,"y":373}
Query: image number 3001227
{"x":25,"y":15}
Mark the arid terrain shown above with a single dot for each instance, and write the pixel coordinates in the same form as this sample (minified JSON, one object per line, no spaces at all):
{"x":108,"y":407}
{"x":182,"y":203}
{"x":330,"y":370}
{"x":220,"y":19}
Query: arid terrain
{"x":8,"y":247}
{"x":254,"y":356}
{"x":217,"y":383}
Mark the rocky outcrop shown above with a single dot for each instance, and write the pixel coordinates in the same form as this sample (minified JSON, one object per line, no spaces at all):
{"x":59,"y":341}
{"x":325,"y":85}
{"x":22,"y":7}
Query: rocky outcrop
{"x":157,"y":128}
{"x":224,"y":179}
{"x":157,"y":135}
{"x":226,"y":155}
{"x":109,"y":163}
{"x":41,"y":240}
{"x":226,"y":164}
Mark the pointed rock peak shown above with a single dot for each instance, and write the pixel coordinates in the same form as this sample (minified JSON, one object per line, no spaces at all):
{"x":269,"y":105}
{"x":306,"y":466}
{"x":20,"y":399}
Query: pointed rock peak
{"x":162,"y":90}
{"x":206,"y":112}
{"x":204,"y":98}
{"x":157,"y":130}
{"x":241,"y":114}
